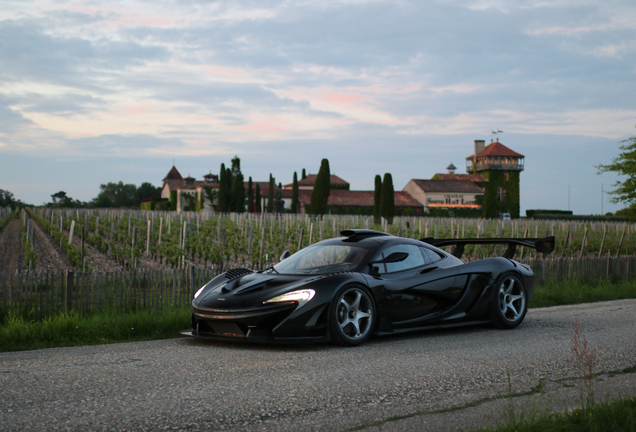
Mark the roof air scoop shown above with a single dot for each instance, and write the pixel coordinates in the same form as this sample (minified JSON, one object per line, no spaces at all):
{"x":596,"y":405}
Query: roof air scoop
{"x":359,"y":234}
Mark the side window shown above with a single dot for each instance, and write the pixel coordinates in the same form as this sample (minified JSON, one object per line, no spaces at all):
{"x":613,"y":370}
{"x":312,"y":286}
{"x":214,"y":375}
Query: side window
{"x":415,"y":258}
{"x":431,"y":256}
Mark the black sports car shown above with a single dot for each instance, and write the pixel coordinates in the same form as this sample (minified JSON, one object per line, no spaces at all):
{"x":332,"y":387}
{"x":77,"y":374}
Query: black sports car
{"x":366,"y":282}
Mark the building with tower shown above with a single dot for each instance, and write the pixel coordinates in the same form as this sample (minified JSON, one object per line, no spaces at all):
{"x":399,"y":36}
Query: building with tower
{"x":500,"y":167}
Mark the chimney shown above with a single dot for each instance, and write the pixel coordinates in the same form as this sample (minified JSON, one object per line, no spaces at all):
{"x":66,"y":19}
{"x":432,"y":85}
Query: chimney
{"x":480,"y":146}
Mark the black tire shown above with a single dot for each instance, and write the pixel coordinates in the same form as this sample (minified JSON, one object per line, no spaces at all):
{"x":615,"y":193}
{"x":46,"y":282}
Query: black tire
{"x":509,"y":301}
{"x":352,"y":316}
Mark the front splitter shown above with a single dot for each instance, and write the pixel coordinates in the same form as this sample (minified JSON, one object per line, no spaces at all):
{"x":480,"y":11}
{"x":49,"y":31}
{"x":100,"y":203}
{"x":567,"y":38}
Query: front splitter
{"x":255,"y":339}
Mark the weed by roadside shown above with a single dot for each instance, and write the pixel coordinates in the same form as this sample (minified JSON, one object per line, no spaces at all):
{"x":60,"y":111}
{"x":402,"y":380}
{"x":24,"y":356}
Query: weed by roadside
{"x":70,"y":329}
{"x":565,"y":293}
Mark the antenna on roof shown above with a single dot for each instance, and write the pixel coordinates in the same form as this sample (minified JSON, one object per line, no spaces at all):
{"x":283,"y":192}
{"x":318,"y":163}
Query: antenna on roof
{"x":494,"y":133}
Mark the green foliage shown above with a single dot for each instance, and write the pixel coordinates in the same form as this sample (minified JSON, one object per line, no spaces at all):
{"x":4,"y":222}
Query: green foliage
{"x":238,"y":194}
{"x":8,"y":200}
{"x":191,"y":200}
{"x":618,"y":415}
{"x":531,"y":213}
{"x":6,"y":220}
{"x":117,"y":195}
{"x":387,"y":198}
{"x":250,"y":196}
{"x":456,"y":212}
{"x":623,"y":165}
{"x":147,"y":190}
{"x":322,"y":186}
{"x":303,"y":175}
{"x":491,"y":205}
{"x":295,"y":204}
{"x":259,"y":199}
{"x":224,"y":189}
{"x":564,"y":293}
{"x":270,"y":195}
{"x":30,"y":255}
{"x":377,"y":200}
{"x":236,"y":198}
{"x":210,"y":193}
{"x":73,"y":254}
{"x":72,"y":328}
{"x":173,"y":200}
{"x":61,"y":200}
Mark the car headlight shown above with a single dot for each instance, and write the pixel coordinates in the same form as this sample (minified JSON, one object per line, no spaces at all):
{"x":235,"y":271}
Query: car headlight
{"x":301,"y":296}
{"x":199,"y":292}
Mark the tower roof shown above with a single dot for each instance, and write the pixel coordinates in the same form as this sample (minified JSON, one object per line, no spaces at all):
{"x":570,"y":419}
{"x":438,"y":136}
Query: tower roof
{"x":173,"y":174}
{"x":496,"y":149}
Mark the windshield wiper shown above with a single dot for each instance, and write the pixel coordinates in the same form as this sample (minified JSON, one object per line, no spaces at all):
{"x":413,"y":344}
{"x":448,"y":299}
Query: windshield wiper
{"x":272,"y":270}
{"x":328,"y":265}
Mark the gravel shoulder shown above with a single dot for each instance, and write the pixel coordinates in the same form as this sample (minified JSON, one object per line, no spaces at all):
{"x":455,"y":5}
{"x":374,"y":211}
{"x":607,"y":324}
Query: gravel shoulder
{"x":50,"y":256}
{"x":395,"y":383}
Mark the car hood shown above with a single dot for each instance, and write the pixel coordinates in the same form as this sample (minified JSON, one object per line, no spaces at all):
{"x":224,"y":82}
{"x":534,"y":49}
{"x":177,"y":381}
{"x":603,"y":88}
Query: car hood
{"x":248,"y":291}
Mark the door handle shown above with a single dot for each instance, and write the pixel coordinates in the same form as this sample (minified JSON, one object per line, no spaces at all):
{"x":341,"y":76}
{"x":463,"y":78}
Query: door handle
{"x":428,"y":269}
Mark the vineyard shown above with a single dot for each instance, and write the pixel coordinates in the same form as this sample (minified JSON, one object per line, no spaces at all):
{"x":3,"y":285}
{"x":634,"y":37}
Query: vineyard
{"x":86,"y":259}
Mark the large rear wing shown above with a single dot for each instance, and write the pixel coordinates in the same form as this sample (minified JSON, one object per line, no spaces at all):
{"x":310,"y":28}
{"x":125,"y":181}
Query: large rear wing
{"x":543,"y":245}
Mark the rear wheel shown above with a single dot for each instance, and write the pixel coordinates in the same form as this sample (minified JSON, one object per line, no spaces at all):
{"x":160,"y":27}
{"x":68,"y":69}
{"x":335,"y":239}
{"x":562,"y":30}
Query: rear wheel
{"x":509,"y":301}
{"x":351,"y":316}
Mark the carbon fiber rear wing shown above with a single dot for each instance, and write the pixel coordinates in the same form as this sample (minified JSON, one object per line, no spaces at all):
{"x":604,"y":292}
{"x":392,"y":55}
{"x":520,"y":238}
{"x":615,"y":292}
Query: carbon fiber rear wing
{"x":543,"y":245}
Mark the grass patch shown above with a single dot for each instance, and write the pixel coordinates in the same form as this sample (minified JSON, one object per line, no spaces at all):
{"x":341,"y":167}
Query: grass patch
{"x":618,"y":415}
{"x":72,"y":329}
{"x":566,"y":293}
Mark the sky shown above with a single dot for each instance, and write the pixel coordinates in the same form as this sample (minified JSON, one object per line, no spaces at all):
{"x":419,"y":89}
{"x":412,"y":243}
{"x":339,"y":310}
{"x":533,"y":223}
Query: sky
{"x":94,"y":92}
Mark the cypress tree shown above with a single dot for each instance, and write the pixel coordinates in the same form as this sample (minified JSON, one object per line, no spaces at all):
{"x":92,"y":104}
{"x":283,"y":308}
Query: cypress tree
{"x":229,"y":204}
{"x":259,"y":207}
{"x":388,"y":198}
{"x":322,"y":187}
{"x":377,"y":200}
{"x":270,"y":195}
{"x":295,"y":202}
{"x":221,"y":201}
{"x":237,"y":195}
{"x":304,"y":175}
{"x":250,"y":196}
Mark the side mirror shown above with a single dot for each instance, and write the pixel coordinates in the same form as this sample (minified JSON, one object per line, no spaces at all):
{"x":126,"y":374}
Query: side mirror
{"x":393,"y":258}
{"x":285,"y":255}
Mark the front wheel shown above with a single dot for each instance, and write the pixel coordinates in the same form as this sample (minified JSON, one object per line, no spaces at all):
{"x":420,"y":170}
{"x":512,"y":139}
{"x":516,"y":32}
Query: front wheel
{"x":509,"y":301}
{"x":351,"y":316}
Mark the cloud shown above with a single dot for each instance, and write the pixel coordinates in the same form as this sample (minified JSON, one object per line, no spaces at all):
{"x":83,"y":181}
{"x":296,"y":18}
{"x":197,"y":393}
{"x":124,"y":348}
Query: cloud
{"x":10,"y":120}
{"x":29,"y":54}
{"x":123,"y":145}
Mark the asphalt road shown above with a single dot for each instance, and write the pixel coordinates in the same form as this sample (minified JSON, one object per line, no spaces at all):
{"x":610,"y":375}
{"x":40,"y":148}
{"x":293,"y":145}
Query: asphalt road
{"x":185,"y":384}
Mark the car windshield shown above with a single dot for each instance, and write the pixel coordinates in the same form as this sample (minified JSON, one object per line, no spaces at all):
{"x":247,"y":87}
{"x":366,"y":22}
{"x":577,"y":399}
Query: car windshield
{"x":321,"y":259}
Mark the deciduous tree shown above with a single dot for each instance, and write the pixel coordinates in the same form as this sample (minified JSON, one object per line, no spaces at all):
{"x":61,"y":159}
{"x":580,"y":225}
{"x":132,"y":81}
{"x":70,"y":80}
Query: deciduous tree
{"x":624,"y":165}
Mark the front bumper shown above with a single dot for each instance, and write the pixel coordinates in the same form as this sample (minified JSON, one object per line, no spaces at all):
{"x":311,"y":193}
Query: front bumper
{"x":263,"y":324}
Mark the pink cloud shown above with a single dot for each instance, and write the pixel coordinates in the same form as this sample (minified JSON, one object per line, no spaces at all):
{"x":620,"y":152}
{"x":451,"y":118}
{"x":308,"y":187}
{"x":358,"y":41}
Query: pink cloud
{"x":262,"y":127}
{"x":135,"y":110}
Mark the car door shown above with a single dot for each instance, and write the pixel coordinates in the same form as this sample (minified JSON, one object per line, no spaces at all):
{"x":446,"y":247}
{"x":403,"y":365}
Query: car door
{"x":416,"y":291}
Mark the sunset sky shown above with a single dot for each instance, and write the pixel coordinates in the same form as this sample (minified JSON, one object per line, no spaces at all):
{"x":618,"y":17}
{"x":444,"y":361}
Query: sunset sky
{"x":94,"y":91}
